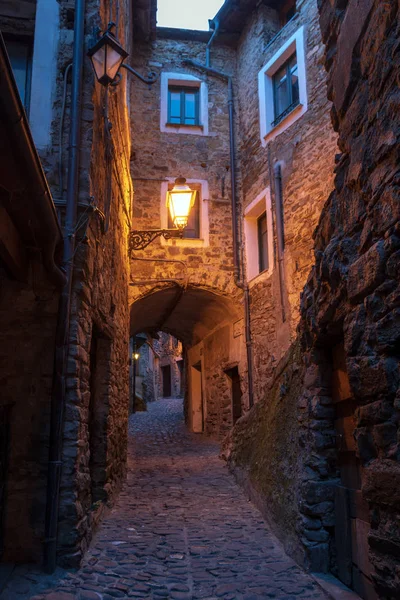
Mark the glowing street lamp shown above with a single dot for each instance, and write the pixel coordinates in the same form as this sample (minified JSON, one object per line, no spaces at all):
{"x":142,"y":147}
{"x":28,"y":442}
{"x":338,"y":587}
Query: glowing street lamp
{"x":180,"y":200}
{"x":107,"y":56}
{"x":136,"y":356}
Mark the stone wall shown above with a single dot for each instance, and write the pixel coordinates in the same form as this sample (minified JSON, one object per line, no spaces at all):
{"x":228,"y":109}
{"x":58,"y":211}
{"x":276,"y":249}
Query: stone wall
{"x":18,"y":20}
{"x":199,"y":269}
{"x":353,"y":292}
{"x":348,"y":332}
{"x":257,"y":444}
{"x":27,"y":330}
{"x":169,"y":351}
{"x":305,"y":151}
{"x":95,"y":430}
{"x":97,"y":383}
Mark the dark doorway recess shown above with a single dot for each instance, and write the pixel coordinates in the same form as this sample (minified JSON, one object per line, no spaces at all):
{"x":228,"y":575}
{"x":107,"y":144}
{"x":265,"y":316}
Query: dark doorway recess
{"x":98,"y":412}
{"x":166,"y":381}
{"x":234,"y":376}
{"x":352,"y":521}
{"x":180,"y":364}
{"x":4,"y":446}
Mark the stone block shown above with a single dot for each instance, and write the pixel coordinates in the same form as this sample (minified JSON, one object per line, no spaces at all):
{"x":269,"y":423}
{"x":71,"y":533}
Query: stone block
{"x":381,"y":483}
{"x":314,"y":492}
{"x":366,"y":273}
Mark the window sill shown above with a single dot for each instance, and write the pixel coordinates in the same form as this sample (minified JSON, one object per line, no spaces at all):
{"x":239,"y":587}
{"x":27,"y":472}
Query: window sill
{"x":286,"y":122}
{"x":179,"y":128}
{"x":185,"y":242}
{"x":260,"y":277}
{"x":184,"y":125}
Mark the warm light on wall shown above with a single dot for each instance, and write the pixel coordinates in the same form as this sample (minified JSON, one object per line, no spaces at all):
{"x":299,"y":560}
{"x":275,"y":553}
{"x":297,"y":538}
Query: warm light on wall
{"x":180,"y":201}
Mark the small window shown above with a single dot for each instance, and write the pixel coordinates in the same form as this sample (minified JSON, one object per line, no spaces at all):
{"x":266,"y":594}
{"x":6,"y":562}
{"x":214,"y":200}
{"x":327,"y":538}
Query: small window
{"x":262,"y":234}
{"x":183,"y":105}
{"x":286,"y":89}
{"x":20,"y":55}
{"x":192,"y":231}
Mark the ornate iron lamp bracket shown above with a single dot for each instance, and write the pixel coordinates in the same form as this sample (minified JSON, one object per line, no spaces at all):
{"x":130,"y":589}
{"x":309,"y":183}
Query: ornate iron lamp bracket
{"x":139,"y":240}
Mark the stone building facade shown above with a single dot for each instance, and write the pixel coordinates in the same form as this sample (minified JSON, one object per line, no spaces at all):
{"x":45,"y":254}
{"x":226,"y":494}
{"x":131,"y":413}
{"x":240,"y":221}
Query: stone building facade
{"x":157,"y":369}
{"x":95,"y":405}
{"x":186,"y":287}
{"x":251,"y":43}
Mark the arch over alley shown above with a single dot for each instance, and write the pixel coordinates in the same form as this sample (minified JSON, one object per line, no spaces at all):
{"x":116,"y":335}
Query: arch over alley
{"x":210,"y":326}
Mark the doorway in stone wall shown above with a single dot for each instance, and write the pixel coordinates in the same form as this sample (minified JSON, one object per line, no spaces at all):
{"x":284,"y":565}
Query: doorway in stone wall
{"x":166,"y":381}
{"x":100,"y":352}
{"x":196,"y":391}
{"x":236,"y":392}
{"x":4,"y":446}
{"x":352,"y":521}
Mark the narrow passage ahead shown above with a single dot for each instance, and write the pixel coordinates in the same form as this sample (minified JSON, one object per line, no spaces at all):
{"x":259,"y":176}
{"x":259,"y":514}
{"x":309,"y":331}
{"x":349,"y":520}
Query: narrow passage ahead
{"x":182,"y":528}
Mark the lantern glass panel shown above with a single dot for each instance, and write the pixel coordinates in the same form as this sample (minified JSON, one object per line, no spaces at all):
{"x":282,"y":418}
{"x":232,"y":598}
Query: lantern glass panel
{"x":99,"y":62}
{"x":114,"y":60}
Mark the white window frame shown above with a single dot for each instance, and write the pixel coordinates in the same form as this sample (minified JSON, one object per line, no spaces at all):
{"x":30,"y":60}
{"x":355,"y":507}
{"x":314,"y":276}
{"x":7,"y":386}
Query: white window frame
{"x":260,"y":205}
{"x":184,"y":80}
{"x":268,"y":131}
{"x":204,"y":240}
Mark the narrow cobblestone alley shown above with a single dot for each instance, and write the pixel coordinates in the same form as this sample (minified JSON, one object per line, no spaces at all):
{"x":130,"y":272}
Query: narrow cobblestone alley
{"x":181,"y":529}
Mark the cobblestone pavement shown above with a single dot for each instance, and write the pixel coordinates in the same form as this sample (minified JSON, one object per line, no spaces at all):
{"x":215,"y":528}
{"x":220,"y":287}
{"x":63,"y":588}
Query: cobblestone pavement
{"x":181,"y":529}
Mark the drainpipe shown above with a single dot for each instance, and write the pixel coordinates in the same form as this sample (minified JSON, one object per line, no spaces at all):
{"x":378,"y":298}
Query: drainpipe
{"x":213,"y":24}
{"x":63,"y":322}
{"x":279,"y":228}
{"x":236,"y":235}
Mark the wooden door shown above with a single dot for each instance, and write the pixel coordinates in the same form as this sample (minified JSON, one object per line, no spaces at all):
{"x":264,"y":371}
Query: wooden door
{"x":352,"y":521}
{"x":166,"y":379}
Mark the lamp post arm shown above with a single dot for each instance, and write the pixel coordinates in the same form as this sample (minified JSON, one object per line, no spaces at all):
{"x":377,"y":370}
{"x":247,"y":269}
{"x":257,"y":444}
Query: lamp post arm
{"x":150,"y":80}
{"x":139,"y":240}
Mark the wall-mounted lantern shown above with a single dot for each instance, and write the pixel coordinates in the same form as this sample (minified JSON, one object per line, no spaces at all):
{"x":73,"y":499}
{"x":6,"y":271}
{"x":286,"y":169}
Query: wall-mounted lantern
{"x":107,"y":56}
{"x":180,"y":200}
{"x":136,"y":355}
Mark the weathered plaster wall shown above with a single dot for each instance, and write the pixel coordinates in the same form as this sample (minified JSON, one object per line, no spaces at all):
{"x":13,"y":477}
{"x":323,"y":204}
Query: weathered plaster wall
{"x":353,"y":292}
{"x":306,"y":153}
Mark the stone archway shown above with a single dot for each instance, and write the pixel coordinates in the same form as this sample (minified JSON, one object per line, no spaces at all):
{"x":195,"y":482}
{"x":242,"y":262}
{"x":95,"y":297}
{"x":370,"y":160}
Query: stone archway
{"x":209,"y":324}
